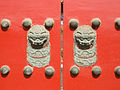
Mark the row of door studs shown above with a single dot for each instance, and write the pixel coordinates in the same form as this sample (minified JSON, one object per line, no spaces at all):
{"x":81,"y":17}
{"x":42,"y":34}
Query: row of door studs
{"x":49,"y":71}
{"x":73,"y":23}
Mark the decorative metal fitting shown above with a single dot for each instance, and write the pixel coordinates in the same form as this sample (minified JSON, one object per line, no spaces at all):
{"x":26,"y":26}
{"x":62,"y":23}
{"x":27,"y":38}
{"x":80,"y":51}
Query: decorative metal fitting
{"x":49,"y":23}
{"x":27,"y":23}
{"x":74,"y":71}
{"x":96,"y":71}
{"x":85,"y":47}
{"x":73,"y":24}
{"x":117,"y":23}
{"x":5,"y":70}
{"x":27,"y":70}
{"x":38,"y":46}
{"x":5,"y":24}
{"x":95,"y":23}
{"x":49,"y":71}
{"x":117,"y":71}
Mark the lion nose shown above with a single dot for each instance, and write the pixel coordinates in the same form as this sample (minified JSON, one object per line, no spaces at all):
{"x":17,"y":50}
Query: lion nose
{"x":85,"y":41}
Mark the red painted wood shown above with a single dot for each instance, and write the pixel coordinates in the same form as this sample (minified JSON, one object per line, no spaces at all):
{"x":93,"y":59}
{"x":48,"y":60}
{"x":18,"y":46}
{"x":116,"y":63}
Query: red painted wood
{"x":13,"y":44}
{"x":108,"y":44}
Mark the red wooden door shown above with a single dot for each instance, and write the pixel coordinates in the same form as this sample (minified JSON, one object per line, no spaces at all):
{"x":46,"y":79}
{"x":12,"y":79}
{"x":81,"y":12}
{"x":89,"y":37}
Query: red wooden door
{"x":13,"y":44}
{"x":107,"y":42}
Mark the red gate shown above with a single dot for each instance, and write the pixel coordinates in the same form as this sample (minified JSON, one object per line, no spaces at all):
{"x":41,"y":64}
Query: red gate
{"x":13,"y":48}
{"x":107,"y":44}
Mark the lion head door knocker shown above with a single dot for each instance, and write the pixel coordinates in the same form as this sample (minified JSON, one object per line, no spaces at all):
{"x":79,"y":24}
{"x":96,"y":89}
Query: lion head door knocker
{"x":84,"y":36}
{"x":38,"y":45}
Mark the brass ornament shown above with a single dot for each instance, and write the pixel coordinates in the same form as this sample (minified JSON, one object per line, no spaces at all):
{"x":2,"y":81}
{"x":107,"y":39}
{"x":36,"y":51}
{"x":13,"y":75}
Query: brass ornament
{"x":27,"y":23}
{"x":49,"y":71}
{"x":85,"y":53}
{"x":38,"y":46}
{"x":74,"y":71}
{"x":5,"y":70}
{"x":28,"y":70}
{"x":5,"y":24}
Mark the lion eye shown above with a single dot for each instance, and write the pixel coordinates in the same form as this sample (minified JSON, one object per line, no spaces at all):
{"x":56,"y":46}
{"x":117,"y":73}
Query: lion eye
{"x":34,"y":38}
{"x":79,"y":32}
{"x":31,"y":33}
{"x":89,"y":39}
{"x":81,"y":38}
{"x":43,"y":32}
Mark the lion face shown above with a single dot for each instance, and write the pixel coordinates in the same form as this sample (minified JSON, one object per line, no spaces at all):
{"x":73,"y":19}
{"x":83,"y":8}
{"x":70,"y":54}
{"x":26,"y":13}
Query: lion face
{"x":84,"y":37}
{"x":38,"y":36}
